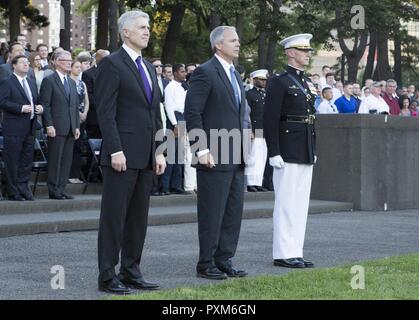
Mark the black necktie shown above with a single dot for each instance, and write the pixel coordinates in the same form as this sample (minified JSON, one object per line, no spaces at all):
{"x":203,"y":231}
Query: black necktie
{"x":66,"y":87}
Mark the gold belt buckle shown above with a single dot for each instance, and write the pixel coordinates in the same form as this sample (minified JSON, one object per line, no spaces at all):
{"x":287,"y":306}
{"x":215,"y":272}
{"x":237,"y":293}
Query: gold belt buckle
{"x":311,"y":118}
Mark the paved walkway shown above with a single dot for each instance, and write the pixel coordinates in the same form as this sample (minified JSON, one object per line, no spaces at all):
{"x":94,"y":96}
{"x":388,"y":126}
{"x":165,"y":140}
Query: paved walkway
{"x":171,"y":251}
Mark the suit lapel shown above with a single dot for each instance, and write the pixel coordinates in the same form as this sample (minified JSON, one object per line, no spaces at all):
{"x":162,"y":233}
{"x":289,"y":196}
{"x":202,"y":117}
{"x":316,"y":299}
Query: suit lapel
{"x":226,"y":81}
{"x":20,"y":88}
{"x":34,"y":90}
{"x":60,"y":84}
{"x":154,"y":83}
{"x":243,"y":95}
{"x":132,"y":66}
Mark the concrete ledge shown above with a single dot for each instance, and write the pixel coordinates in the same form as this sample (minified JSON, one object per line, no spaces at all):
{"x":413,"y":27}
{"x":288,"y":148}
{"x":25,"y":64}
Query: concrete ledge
{"x":36,"y":223}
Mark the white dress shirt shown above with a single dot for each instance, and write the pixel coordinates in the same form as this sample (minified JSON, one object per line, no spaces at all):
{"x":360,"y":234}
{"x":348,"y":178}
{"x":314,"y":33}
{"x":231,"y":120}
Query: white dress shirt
{"x":28,"y":89}
{"x":134,"y":55}
{"x":174,"y":100}
{"x":326,"y":107}
{"x":373,"y":103}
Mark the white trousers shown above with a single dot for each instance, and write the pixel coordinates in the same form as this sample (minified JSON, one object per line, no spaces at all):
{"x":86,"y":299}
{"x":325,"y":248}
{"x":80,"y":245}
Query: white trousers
{"x":292,"y":185}
{"x":189,"y":172}
{"x":257,"y":161}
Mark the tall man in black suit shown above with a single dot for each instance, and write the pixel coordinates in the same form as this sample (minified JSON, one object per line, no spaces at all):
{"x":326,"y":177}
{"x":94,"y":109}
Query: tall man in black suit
{"x":216,"y":100}
{"x":61,"y":119}
{"x":18,"y":100}
{"x":128,"y":108}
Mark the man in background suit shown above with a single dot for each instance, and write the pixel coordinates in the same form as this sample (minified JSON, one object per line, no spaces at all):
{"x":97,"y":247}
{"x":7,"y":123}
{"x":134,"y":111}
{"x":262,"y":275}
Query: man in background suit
{"x":61,"y":119}
{"x":216,"y":100}
{"x":6,"y":70}
{"x":128,"y":108}
{"x":18,"y":100}
{"x":88,"y":77}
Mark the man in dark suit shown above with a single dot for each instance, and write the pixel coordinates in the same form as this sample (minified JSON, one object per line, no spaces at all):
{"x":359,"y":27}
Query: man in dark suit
{"x":6,"y":70}
{"x":216,"y":100}
{"x":128,"y":108}
{"x":88,"y":77}
{"x":18,"y":100}
{"x":61,"y":119}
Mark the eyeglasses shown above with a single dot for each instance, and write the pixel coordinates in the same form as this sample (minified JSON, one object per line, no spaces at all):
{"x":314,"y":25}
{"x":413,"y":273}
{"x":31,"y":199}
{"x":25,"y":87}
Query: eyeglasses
{"x":65,"y":60}
{"x":158,"y":66}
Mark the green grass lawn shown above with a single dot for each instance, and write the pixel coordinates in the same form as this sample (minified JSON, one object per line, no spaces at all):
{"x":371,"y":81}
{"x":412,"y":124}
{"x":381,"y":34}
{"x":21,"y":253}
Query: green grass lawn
{"x":389,"y":278}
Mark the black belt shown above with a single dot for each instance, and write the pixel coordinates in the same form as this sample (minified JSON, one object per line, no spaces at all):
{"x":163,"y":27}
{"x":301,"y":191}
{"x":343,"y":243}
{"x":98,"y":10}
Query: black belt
{"x":299,"y":119}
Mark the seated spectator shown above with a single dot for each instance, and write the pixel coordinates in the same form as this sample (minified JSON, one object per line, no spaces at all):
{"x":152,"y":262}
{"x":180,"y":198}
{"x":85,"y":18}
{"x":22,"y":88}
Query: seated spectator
{"x":327,"y":106}
{"x":365,"y":92}
{"x":374,"y":104}
{"x":330,"y":82}
{"x":390,"y":97}
{"x":411,"y":91}
{"x":404,"y":106}
{"x":347,"y":103}
{"x":414,"y":108}
{"x":35,"y":63}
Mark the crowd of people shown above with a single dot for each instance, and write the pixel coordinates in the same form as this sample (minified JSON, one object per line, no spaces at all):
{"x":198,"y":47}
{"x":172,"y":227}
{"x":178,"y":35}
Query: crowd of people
{"x":375,"y":97}
{"x":70,"y":161}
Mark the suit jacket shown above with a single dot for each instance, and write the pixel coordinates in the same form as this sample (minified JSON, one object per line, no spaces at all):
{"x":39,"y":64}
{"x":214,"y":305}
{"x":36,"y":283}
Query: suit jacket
{"x":210,"y":104}
{"x":128,"y":122}
{"x":294,"y":142}
{"x":12,"y":98}
{"x":6,"y":71}
{"x":60,"y":111}
{"x":88,"y":78}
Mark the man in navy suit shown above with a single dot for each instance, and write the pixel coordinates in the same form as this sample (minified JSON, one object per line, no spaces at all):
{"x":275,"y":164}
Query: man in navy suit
{"x":6,"y":70}
{"x":216,"y":100}
{"x":128,"y":109}
{"x":19,"y":102}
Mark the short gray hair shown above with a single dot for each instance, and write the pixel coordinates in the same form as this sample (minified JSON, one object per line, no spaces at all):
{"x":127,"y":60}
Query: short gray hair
{"x":217,"y":35}
{"x":126,"y":20}
{"x":59,"y":54}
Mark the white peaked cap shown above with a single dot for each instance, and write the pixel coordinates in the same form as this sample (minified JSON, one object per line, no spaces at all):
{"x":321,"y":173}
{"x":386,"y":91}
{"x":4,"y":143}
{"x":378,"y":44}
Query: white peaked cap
{"x":298,"y":41}
{"x":261,"y":74}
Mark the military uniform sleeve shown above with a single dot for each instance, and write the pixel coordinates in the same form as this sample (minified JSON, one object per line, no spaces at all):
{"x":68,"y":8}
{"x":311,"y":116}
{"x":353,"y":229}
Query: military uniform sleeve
{"x":272,"y":115}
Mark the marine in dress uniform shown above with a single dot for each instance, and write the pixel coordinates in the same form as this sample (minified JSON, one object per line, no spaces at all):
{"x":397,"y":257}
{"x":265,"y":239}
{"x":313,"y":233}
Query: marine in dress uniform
{"x":290,"y":137}
{"x":258,"y":153}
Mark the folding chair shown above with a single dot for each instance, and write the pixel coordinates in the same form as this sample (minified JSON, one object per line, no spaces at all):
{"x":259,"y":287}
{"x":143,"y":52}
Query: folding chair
{"x":39,"y":164}
{"x":94,"y":145}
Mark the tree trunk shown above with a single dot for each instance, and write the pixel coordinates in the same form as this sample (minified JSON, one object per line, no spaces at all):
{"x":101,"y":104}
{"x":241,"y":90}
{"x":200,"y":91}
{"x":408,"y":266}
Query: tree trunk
{"x":215,"y":20}
{"x":271,"y":54}
{"x":14,"y":19}
{"x":113,"y":26}
{"x":383,"y":70}
{"x":102,"y":24}
{"x":173,"y":33}
{"x":65,"y":33}
{"x":397,"y":57}
{"x":369,"y":68}
{"x":240,"y":24}
{"x":262,"y":54}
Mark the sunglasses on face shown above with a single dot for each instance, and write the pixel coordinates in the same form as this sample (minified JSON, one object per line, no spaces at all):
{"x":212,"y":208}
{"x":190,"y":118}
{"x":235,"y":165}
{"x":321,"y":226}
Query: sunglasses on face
{"x":158,"y":66}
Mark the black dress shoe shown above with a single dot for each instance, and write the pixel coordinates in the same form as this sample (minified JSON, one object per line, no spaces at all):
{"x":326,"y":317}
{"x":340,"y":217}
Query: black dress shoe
{"x":252,"y":189}
{"x":289,"y":263}
{"x":16,"y":198}
{"x":177,"y":191}
{"x":155,"y":194}
{"x":165,"y":193}
{"x":233,"y":273}
{"x":261,"y":189}
{"x":115,"y":286}
{"x":57,"y":197}
{"x":138,"y":283}
{"x":212,"y":273}
{"x":68,"y":197}
{"x":28,"y":197}
{"x":307,"y":264}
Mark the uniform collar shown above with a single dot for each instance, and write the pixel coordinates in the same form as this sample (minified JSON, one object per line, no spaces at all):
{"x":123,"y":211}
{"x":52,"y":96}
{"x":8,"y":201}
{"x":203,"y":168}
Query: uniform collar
{"x":295,"y":71}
